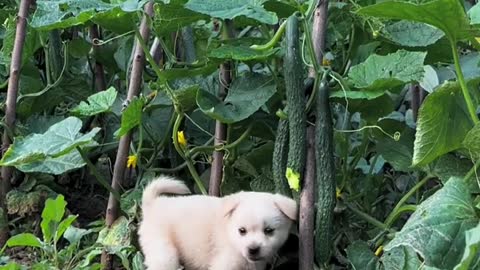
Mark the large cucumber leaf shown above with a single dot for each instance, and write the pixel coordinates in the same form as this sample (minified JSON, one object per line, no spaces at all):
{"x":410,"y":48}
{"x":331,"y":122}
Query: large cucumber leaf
{"x":436,"y":230}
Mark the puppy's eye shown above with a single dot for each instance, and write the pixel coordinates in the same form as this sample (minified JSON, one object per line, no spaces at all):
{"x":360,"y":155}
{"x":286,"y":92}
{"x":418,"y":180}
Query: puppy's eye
{"x":242,"y":231}
{"x":268,"y":231}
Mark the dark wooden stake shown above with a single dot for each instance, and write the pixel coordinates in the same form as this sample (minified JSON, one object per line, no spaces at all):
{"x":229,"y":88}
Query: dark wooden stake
{"x":418,"y":95}
{"x":10,"y":112}
{"x":216,"y":173}
{"x":136,"y":81}
{"x":307,"y":199}
{"x":99,"y":72}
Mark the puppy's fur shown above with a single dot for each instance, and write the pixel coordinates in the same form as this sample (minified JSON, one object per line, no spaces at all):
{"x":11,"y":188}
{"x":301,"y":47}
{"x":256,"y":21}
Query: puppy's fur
{"x":242,"y":231}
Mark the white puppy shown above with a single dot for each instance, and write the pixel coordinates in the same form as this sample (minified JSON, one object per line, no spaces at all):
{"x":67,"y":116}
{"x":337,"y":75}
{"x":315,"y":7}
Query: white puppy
{"x":242,"y":231}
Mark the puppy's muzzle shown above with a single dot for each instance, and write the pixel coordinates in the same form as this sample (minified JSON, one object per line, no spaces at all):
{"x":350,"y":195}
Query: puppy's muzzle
{"x":254,"y":253}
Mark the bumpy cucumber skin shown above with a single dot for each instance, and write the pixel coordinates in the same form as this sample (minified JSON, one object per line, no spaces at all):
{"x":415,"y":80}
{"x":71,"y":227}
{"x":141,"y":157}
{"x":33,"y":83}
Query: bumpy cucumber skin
{"x":325,"y":176}
{"x":295,"y":92}
{"x":279,"y":162}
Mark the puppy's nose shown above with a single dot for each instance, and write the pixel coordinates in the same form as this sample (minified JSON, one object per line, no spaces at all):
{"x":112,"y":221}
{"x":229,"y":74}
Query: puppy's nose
{"x":253,"y":250}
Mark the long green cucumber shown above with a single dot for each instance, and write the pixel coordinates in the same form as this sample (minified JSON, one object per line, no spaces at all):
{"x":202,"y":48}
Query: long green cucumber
{"x":325,"y":175}
{"x":279,"y":162}
{"x":295,"y":92}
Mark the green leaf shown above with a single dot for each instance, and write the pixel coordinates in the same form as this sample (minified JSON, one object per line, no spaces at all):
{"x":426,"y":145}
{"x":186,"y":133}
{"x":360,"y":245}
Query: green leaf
{"x":392,"y":70}
{"x":137,"y":261}
{"x":170,"y":18}
{"x":436,"y":229}
{"x":370,"y":109}
{"x":474,"y":14}
{"x":401,"y":257}
{"x":241,"y":53}
{"x":74,"y":234}
{"x":90,"y":257}
{"x":96,"y":103}
{"x":117,"y":20}
{"x":79,"y":48}
{"x":472,"y":141}
{"x":185,"y":98}
{"x":256,"y":160}
{"x":398,"y":153}
{"x":52,"y":214}
{"x":229,"y":9}
{"x":369,"y":95}
{"x":24,"y":240}
{"x":245,"y":96}
{"x":263,"y":182}
{"x":57,"y":141}
{"x":361,"y":257}
{"x":12,"y":266}
{"x":177,"y":73}
{"x":442,"y":124}
{"x":430,"y":79}
{"x":449,"y":165}
{"x":412,"y":34}
{"x":53,"y":14}
{"x":63,"y":226}
{"x":54,"y":165}
{"x":24,"y":203}
{"x":471,"y":255}
{"x":283,"y":9}
{"x":117,"y":236}
{"x":447,"y":15}
{"x":132,"y":116}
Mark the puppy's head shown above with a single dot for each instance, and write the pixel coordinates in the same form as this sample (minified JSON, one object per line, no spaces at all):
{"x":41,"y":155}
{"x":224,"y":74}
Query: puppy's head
{"x":258,"y":224}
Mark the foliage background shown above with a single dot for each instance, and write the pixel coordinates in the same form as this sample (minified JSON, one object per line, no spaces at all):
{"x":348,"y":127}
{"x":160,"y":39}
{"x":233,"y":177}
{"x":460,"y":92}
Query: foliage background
{"x":407,"y":186}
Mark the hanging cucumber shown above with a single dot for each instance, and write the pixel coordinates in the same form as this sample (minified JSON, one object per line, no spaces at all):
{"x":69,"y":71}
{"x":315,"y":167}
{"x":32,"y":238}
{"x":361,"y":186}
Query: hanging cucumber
{"x":325,"y":175}
{"x":279,"y":162}
{"x":295,"y":92}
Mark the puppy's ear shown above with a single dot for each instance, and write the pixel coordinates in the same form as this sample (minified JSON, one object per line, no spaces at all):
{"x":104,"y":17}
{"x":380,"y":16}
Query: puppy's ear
{"x":287,"y":206}
{"x":230,"y":203}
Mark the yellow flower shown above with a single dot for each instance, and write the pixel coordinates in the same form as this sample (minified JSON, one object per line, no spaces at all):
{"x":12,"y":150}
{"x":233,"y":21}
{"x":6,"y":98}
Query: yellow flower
{"x":181,"y":138}
{"x":293,"y":179}
{"x":326,"y":62}
{"x":338,"y":193}
{"x":379,"y":251}
{"x":132,"y":161}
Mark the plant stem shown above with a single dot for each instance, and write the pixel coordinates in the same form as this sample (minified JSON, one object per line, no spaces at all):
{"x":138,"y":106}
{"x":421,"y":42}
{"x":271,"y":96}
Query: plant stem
{"x":472,"y":171}
{"x":392,"y":216}
{"x":191,"y":167}
{"x":232,"y":145}
{"x":54,"y":84}
{"x":466,"y":94}
{"x":181,"y":166}
{"x":97,"y":175}
{"x":401,"y":210}
{"x":367,"y":217}
{"x":10,"y":112}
